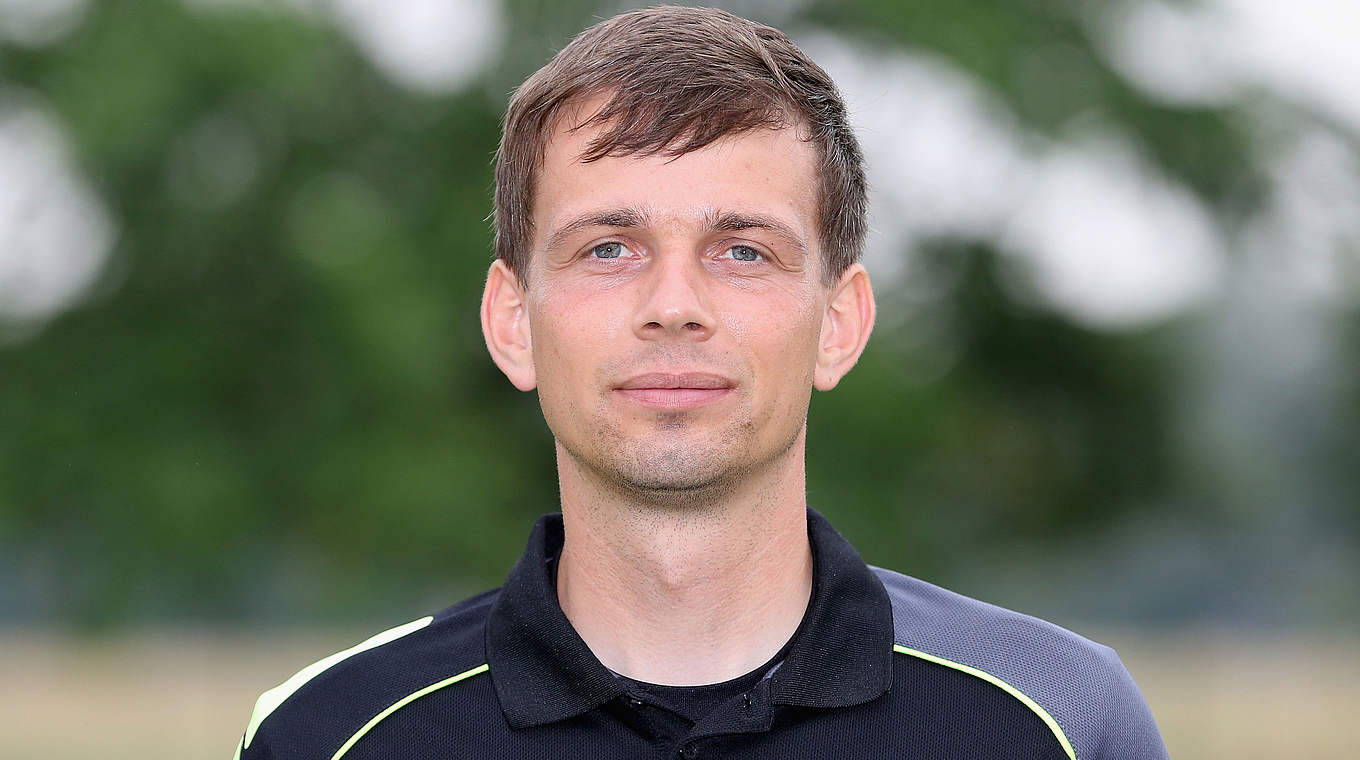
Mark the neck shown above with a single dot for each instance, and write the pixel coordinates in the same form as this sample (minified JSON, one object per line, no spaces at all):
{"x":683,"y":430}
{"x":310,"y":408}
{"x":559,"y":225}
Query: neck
{"x":693,"y":590}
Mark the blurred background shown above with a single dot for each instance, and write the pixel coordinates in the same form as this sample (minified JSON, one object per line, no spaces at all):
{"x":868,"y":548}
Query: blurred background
{"x":246,"y":416}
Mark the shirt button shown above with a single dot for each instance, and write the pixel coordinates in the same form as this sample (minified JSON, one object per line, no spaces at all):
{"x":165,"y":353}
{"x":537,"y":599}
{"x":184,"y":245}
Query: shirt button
{"x":634,"y":702}
{"x":689,"y":751}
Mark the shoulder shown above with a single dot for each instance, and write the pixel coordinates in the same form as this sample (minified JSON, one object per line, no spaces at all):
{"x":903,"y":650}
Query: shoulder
{"x":313,"y":713}
{"x":1078,"y":687}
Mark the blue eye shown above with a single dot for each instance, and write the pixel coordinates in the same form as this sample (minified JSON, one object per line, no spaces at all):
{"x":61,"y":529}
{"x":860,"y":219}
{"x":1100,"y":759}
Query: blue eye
{"x":744,"y":253}
{"x":607,"y":250}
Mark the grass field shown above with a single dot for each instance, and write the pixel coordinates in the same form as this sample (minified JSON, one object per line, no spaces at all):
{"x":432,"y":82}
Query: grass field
{"x":188,"y":695}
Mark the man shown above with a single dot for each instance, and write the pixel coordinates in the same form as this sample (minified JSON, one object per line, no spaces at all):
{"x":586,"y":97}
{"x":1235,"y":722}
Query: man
{"x":679,"y":210}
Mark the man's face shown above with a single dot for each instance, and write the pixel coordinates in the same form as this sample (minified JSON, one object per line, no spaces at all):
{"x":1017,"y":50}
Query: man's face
{"x":675,"y":305}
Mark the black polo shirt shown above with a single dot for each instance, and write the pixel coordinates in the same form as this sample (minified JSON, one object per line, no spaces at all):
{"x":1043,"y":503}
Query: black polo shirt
{"x":882,"y":666}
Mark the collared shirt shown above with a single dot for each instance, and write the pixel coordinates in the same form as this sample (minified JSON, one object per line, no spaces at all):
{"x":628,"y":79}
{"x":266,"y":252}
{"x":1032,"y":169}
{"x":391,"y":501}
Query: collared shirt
{"x":882,"y":666}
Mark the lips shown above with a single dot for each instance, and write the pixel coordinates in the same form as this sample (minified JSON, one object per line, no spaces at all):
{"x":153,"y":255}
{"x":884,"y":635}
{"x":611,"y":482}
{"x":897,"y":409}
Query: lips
{"x":676,"y":381}
{"x":675,"y":390}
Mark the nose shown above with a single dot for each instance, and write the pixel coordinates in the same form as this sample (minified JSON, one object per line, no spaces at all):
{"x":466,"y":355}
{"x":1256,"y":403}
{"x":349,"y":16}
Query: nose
{"x":674,"y":302}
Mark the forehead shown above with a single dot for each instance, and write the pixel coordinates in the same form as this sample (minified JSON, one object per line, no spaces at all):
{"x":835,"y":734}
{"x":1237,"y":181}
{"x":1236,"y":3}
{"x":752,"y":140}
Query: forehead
{"x":770,"y":172}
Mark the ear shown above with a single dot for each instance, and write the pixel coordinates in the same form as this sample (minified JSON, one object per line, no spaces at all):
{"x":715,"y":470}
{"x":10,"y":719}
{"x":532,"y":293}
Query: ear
{"x":846,"y":326}
{"x":505,"y":325}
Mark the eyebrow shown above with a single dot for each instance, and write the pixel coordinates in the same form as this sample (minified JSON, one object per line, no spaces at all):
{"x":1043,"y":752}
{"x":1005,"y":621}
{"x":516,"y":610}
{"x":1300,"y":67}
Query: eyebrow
{"x":731,"y":221}
{"x":620,"y":217}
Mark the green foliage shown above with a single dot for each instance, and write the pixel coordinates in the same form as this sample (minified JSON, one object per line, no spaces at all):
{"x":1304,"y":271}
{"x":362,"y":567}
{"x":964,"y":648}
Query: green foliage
{"x":277,"y":403}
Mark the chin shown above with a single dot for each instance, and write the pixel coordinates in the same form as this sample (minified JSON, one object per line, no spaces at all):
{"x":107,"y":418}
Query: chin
{"x":663,"y":475}
{"x":674,"y":466}
{"x":675,"y":475}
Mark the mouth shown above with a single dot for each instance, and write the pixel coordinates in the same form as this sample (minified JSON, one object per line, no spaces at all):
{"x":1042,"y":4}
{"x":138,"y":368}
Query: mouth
{"x":675,"y":390}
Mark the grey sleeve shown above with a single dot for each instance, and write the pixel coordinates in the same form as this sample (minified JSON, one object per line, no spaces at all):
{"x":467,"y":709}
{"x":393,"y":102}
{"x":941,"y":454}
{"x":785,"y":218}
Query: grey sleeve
{"x":1080,"y":684}
{"x":1128,"y":731}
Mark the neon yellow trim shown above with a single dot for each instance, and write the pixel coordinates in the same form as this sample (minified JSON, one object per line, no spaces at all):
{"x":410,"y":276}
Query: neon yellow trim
{"x":1011,"y":690}
{"x":270,"y":700}
{"x":404,"y":701}
{"x":237,"y":756}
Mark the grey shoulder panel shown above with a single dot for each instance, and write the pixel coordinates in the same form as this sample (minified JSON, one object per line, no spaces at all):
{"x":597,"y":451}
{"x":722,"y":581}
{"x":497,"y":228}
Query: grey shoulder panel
{"x":1082,"y":685}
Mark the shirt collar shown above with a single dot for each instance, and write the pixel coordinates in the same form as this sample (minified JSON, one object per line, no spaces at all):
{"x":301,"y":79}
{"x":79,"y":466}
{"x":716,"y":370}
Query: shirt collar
{"x":543,"y":672}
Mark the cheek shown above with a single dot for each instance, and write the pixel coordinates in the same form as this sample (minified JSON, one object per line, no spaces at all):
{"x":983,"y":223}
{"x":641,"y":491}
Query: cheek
{"x":779,"y":338}
{"x":786,"y":308}
{"x":571,"y":336}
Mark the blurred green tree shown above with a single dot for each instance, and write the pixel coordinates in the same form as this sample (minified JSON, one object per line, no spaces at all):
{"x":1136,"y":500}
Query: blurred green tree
{"x":276,"y":403}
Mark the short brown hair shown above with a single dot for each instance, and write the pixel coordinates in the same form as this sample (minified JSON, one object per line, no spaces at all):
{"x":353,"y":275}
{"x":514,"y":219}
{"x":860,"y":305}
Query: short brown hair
{"x":679,"y":79}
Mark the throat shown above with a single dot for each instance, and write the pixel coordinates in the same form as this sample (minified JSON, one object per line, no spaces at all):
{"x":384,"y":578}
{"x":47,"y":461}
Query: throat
{"x":686,"y":602}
